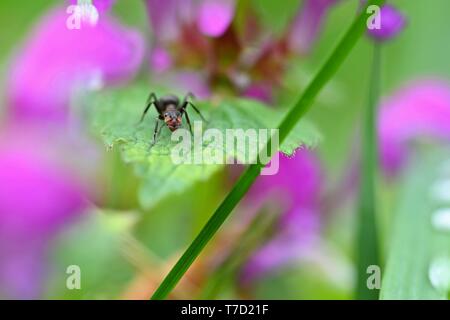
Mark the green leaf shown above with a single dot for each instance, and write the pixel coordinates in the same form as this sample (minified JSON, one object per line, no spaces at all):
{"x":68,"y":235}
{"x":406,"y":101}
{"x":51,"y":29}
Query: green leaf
{"x":114,"y":115}
{"x":417,"y":246}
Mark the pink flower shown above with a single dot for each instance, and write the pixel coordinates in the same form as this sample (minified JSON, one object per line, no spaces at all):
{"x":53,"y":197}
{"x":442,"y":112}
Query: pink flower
{"x":56,"y":61}
{"x":168,"y":17}
{"x":160,"y":60}
{"x":420,"y":109}
{"x":261,"y":92}
{"x":392,"y":23}
{"x":37,"y":199}
{"x":181,"y":27}
{"x":297,"y":186}
{"x":215,"y":16}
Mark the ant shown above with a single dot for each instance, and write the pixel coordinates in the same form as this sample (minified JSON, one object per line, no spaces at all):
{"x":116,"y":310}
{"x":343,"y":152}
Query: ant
{"x":171,"y":111}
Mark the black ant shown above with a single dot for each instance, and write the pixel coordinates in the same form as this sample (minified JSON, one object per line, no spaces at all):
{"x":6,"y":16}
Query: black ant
{"x":171,"y":111}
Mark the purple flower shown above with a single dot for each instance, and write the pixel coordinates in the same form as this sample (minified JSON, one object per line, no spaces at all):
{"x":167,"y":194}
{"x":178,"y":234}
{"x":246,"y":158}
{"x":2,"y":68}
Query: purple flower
{"x":168,"y":18}
{"x":261,"y":92}
{"x":392,"y":23}
{"x":215,"y":16}
{"x":57,"y":61}
{"x":180,"y":27}
{"x":37,"y":198}
{"x":160,"y":60}
{"x":297,"y":187}
{"x":421,"y":109}
{"x":308,"y":24}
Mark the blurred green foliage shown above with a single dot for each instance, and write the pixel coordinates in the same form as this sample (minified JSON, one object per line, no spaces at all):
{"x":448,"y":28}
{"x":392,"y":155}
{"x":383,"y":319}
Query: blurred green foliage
{"x":276,"y":16}
{"x":97,"y":247}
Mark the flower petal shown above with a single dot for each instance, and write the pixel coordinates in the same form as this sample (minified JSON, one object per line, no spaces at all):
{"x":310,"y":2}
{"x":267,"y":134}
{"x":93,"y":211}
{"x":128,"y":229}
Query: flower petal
{"x":298,"y":181}
{"x":57,"y":60}
{"x":160,"y":60}
{"x":215,"y":16}
{"x":260,"y":91}
{"x":392,"y":23}
{"x":421,"y":109}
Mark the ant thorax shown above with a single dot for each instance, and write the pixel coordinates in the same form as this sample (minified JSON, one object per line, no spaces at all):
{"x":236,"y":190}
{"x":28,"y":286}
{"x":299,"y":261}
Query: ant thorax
{"x":170,"y":107}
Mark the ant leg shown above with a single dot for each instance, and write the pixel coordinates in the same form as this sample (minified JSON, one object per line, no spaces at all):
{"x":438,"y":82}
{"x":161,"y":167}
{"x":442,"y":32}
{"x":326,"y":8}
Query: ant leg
{"x":150,"y":100}
{"x":188,"y":121}
{"x":198,"y":111}
{"x":189,"y":95}
{"x":156,"y":132}
{"x":185,"y":103}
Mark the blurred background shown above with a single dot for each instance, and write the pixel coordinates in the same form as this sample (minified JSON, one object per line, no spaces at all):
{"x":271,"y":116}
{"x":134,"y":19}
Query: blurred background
{"x":68,"y":198}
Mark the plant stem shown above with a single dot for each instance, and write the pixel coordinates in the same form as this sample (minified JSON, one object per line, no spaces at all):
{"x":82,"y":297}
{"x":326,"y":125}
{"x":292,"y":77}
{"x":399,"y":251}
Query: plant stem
{"x":249,"y":176}
{"x":367,"y":241}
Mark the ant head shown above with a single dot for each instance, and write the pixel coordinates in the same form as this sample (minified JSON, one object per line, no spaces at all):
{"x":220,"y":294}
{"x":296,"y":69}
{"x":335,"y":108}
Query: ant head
{"x":172,"y":119}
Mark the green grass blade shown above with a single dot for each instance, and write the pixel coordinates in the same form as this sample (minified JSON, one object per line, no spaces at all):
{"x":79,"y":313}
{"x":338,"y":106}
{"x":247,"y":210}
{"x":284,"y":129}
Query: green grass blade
{"x":367,"y":240}
{"x":249,"y":176}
